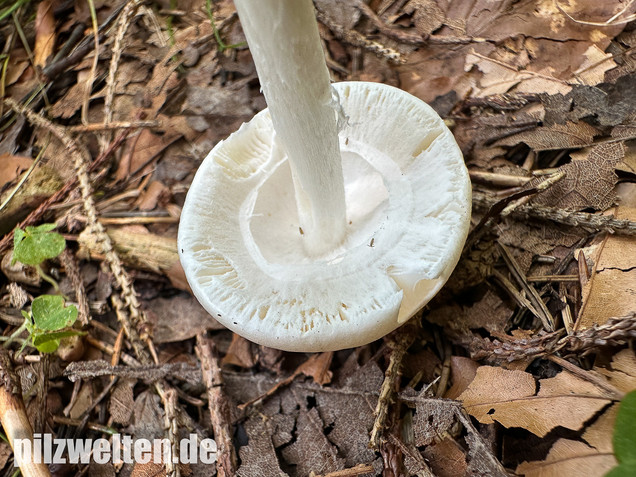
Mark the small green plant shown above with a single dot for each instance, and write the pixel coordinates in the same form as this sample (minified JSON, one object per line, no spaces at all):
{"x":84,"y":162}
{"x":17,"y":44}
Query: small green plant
{"x":49,"y":320}
{"x":217,"y":34}
{"x":34,"y":245}
{"x":625,"y":438}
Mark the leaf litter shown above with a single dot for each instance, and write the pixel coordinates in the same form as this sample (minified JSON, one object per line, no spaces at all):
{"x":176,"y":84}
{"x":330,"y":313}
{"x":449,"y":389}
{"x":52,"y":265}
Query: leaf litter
{"x":533,"y":335}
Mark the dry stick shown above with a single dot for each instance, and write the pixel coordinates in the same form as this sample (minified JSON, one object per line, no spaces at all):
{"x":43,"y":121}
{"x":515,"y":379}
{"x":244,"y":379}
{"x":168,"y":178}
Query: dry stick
{"x":615,"y":332}
{"x":355,"y":38}
{"x":561,"y":216}
{"x":403,"y":340}
{"x":124,"y":21}
{"x":593,"y":378}
{"x":219,"y":406}
{"x":170,"y":404}
{"x":411,"y":38}
{"x":14,"y":417}
{"x":72,"y":271}
{"x":533,"y":295}
{"x":359,"y":469}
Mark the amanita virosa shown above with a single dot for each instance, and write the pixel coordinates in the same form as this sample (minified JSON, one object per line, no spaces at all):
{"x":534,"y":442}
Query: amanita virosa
{"x":332,"y":216}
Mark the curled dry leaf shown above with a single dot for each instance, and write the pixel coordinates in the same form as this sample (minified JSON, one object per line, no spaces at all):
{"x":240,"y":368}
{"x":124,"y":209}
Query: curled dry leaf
{"x":510,"y":398}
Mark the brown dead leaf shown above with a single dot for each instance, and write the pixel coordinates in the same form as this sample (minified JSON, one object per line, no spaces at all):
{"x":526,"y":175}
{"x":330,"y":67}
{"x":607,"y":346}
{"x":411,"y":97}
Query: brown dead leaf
{"x":427,"y":15}
{"x":463,"y":371}
{"x":149,"y":469}
{"x":312,"y":451}
{"x":11,"y":167}
{"x":431,"y":420}
{"x":178,"y":318}
{"x":259,"y":453}
{"x":588,"y":183}
{"x":141,"y":149}
{"x":568,"y":457}
{"x":44,"y":32}
{"x":317,"y":367}
{"x":611,"y":289}
{"x":148,"y":200}
{"x":622,"y":371}
{"x":558,"y":136}
{"x":446,"y":458}
{"x":121,"y":402}
{"x":350,"y":414}
{"x":509,"y":398}
{"x":239,"y":353}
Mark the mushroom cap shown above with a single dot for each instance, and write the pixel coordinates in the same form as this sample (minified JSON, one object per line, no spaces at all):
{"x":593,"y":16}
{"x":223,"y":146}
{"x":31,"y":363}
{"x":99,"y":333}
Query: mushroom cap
{"x":408,"y":201}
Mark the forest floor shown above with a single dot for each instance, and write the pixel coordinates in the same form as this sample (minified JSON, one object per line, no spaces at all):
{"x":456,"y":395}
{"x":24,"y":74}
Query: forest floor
{"x":517,"y":367}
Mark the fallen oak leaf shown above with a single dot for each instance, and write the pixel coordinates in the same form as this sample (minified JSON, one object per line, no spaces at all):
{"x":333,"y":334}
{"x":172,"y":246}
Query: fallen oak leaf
{"x":508,"y":397}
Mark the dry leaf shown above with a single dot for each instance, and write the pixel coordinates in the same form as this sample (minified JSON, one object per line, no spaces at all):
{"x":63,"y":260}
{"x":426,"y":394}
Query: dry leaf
{"x":317,"y":367}
{"x":567,"y":458}
{"x":312,"y":451}
{"x":611,"y":289}
{"x":622,"y":371}
{"x":44,"y":32}
{"x":588,"y":182}
{"x":463,"y":371}
{"x":509,"y":398}
{"x":148,"y":200}
{"x":239,"y":353}
{"x":11,"y":167}
{"x":557,"y":136}
{"x":178,"y":318}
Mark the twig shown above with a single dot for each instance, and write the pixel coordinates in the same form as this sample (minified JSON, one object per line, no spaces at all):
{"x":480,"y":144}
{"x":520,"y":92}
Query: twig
{"x":498,"y":180}
{"x":615,"y":332}
{"x":589,"y":376}
{"x":72,"y":271}
{"x":543,"y":313}
{"x":561,"y":216}
{"x":359,"y":469}
{"x":14,"y":418}
{"x":403,"y":340}
{"x":219,"y":406}
{"x":356,"y":38}
{"x":610,"y":22}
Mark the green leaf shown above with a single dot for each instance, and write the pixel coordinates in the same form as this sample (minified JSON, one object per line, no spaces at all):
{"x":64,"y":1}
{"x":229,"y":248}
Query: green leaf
{"x":49,"y":313}
{"x":623,"y":470}
{"x":625,"y":431}
{"x":48,"y":346}
{"x":35,"y":244}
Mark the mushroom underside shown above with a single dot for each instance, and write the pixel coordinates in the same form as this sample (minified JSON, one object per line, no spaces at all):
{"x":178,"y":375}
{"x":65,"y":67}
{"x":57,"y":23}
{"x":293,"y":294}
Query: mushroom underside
{"x":407,"y":206}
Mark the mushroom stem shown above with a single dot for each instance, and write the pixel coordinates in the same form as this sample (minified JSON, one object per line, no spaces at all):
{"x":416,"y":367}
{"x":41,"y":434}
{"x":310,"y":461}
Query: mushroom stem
{"x":285,"y":45}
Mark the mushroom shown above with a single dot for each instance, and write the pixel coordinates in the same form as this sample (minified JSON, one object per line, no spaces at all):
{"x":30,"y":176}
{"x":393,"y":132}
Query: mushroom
{"x":331,"y":217}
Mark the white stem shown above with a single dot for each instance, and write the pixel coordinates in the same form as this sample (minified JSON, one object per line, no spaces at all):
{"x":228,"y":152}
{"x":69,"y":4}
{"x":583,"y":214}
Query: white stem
{"x":285,"y":44}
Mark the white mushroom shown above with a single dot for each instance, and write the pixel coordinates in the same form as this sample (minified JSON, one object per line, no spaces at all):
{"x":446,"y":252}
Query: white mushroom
{"x":297,"y":245}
